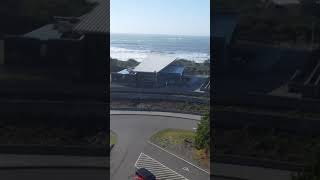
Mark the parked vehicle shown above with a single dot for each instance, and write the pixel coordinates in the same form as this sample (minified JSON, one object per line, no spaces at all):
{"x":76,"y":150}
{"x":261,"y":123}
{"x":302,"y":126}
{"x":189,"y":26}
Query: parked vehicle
{"x":144,"y":174}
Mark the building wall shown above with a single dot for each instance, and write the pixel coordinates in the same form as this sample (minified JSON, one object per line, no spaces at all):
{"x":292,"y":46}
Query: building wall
{"x":144,"y":79}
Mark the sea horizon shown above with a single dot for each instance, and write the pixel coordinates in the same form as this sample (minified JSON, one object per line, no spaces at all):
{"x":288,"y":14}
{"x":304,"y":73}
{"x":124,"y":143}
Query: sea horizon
{"x":151,"y":34}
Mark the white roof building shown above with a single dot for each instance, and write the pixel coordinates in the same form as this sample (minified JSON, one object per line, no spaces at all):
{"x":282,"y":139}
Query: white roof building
{"x":154,"y":63}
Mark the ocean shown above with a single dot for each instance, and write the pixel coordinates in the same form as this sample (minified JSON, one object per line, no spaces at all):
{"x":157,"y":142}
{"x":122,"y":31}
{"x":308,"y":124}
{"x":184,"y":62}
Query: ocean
{"x":134,"y":46}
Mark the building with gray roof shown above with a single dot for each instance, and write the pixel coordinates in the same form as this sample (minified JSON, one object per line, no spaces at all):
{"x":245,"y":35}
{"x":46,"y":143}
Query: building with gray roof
{"x":154,"y":71}
{"x":68,"y":42}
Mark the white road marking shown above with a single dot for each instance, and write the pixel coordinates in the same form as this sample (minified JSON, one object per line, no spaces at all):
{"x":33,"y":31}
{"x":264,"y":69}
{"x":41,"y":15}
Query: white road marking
{"x":178,"y":157}
{"x":161,"y":171}
{"x":185,"y":168}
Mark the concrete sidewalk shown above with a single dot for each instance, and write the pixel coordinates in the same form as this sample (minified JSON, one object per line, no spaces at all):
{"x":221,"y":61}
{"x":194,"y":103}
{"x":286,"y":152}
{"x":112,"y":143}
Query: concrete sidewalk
{"x":154,"y":113}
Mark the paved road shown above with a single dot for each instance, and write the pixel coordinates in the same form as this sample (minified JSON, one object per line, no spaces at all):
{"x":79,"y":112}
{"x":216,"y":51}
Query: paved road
{"x":133,"y":131}
{"x":176,"y":164}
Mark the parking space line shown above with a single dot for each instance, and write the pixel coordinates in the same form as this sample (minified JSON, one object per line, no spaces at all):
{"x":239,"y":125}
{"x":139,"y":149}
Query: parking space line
{"x":161,"y":171}
{"x":178,"y":157}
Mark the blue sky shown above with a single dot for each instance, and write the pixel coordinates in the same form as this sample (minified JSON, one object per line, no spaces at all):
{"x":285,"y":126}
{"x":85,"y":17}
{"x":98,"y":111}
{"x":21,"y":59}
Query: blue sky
{"x":174,"y":17}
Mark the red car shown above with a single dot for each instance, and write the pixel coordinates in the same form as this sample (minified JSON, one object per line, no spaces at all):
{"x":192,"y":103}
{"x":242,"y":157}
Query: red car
{"x":144,"y":174}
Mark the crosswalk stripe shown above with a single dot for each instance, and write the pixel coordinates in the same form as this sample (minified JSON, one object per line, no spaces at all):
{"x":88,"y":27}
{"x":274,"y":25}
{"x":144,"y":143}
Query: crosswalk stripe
{"x":161,"y":171}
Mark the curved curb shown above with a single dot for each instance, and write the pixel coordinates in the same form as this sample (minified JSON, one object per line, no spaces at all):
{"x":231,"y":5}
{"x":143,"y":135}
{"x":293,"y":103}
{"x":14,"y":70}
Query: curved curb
{"x":111,"y":147}
{"x":156,"y":113}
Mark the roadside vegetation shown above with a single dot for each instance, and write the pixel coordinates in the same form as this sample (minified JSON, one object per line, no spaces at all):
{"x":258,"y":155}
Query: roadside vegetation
{"x":194,"y":68}
{"x":202,"y":138}
{"x":182,"y":107}
{"x":266,"y":22}
{"x":113,"y":138}
{"x":311,"y":172}
{"x":191,"y":145}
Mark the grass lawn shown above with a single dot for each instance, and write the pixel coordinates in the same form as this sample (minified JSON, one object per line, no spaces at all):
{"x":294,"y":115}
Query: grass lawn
{"x":181,"y":143}
{"x":172,"y":136}
{"x":113,"y":138}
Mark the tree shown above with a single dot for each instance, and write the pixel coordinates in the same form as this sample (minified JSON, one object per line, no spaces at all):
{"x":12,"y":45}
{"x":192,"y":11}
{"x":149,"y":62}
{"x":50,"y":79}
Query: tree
{"x":202,"y":138}
{"x":311,"y":172}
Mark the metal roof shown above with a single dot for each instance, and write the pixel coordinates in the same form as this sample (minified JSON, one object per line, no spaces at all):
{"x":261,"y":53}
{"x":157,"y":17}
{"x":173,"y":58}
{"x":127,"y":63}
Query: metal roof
{"x":224,"y":25}
{"x":44,"y":33}
{"x":154,"y":63}
{"x":124,"y":71}
{"x":96,"y":21}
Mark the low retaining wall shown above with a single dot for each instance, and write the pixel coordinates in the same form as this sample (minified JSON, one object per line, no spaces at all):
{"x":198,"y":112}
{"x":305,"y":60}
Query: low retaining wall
{"x":158,"y":91}
{"x":158,"y":97}
{"x":189,"y":116}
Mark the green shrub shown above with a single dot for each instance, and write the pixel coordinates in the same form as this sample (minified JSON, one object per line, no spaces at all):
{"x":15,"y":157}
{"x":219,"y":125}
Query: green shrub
{"x":202,"y":138}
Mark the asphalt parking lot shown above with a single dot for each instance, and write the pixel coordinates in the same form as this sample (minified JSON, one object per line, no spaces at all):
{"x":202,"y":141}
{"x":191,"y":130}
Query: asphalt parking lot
{"x":133,"y":132}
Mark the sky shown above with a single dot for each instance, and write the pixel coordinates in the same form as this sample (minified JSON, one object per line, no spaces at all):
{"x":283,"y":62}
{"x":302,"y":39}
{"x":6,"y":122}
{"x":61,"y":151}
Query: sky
{"x":171,"y":17}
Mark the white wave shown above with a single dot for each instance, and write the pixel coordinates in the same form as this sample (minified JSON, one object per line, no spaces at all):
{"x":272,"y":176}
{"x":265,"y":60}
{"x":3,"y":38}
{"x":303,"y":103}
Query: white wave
{"x":197,"y":57}
{"x":124,"y":54}
{"x":175,"y":38}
